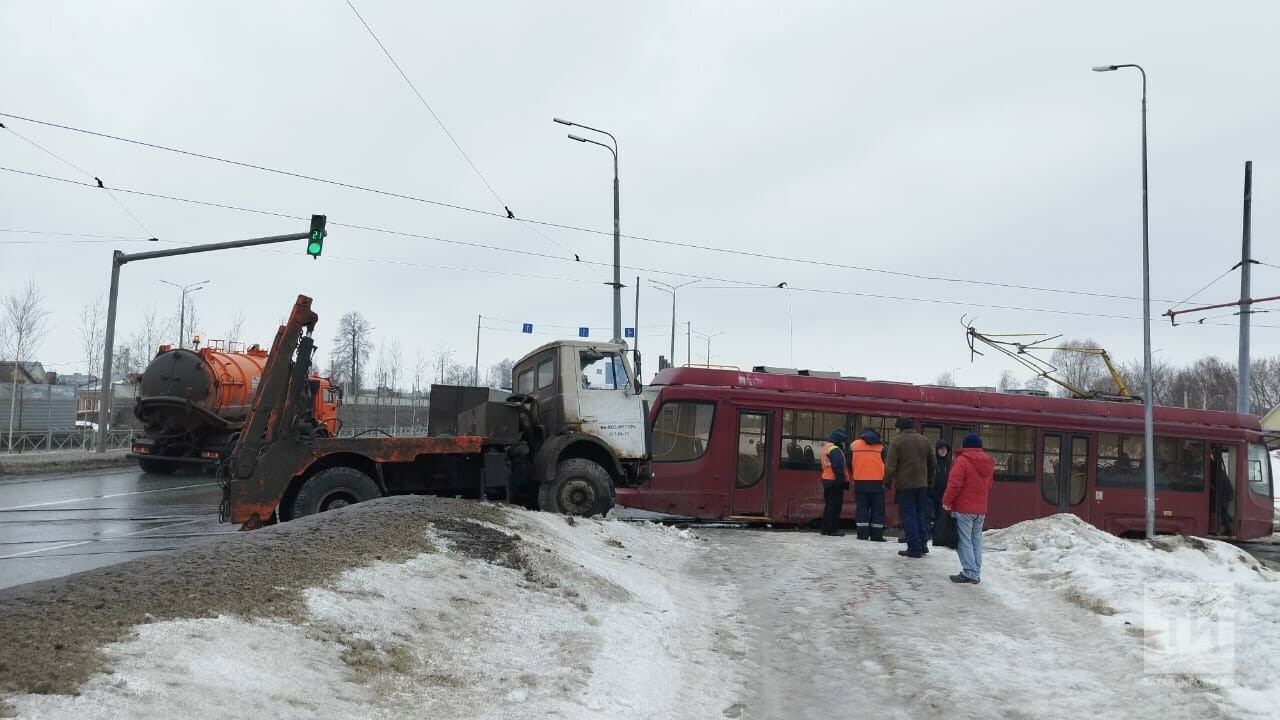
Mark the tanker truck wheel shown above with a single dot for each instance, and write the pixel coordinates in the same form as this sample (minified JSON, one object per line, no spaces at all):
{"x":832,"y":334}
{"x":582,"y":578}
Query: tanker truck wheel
{"x":334,"y":488}
{"x":156,"y":466}
{"x":580,"y":487}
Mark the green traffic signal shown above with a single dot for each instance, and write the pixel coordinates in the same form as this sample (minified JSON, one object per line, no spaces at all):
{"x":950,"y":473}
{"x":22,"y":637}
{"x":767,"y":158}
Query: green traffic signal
{"x":316,"y":242}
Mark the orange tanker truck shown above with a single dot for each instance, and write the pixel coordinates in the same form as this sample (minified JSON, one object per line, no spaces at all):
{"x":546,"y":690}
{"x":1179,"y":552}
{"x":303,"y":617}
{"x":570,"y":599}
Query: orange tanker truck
{"x":192,"y":404}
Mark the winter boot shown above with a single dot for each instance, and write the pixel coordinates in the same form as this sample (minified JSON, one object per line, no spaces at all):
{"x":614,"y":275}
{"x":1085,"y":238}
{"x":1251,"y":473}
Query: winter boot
{"x":863,"y":532}
{"x":877,"y":534}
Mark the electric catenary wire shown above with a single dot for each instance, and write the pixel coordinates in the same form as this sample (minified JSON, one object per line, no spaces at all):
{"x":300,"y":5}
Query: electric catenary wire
{"x":531,"y":253}
{"x":641,"y":238}
{"x":82,"y":171}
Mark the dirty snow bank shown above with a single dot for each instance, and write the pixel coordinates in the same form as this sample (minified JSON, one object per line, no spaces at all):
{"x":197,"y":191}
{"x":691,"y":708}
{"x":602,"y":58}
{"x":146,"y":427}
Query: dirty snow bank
{"x":1202,"y":612}
{"x":525,"y":616}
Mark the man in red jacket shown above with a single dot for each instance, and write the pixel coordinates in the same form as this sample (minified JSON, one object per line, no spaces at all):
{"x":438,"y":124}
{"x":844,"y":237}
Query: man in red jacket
{"x":968,"y":485}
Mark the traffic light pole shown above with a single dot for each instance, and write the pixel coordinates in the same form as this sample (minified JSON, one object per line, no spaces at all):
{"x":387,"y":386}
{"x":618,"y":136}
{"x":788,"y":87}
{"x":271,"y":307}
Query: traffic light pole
{"x":120,"y":258}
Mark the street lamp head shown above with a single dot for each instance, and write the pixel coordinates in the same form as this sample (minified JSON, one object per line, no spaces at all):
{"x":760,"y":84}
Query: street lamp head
{"x":562,"y":122}
{"x":575,"y":137}
{"x":1103,"y":68}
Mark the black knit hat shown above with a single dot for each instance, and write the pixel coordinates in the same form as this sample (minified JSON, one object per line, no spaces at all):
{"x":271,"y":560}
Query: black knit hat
{"x":905,"y":423}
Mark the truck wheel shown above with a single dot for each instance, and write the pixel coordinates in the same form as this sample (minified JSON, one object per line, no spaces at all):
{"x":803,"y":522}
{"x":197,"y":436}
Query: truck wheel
{"x":156,"y":466}
{"x":580,"y":487}
{"x":333,"y":488}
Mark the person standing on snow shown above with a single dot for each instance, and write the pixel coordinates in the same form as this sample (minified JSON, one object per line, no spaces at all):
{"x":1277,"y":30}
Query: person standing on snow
{"x":972,"y":475}
{"x":834,"y":482}
{"x":909,"y":468}
{"x":868,"y":484}
{"x":938,"y":518}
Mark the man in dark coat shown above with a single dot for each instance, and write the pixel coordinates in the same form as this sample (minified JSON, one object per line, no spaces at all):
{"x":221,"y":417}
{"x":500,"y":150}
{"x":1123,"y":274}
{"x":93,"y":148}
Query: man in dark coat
{"x":909,"y":468}
{"x":936,"y":519}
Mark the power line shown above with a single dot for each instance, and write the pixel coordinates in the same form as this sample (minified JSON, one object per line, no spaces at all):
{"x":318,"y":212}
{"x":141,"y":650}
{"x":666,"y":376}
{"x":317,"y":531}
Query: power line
{"x":531,"y":253}
{"x":67,"y":234}
{"x":543,"y":223}
{"x":82,"y":171}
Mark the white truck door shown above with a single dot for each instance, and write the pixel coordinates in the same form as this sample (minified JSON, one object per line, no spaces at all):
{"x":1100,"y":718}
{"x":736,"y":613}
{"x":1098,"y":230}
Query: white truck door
{"x":607,"y":405}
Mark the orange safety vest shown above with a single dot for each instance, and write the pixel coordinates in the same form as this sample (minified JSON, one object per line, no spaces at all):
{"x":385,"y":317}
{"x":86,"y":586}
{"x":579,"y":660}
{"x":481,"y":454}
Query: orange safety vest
{"x":868,"y":463}
{"x":828,"y":473}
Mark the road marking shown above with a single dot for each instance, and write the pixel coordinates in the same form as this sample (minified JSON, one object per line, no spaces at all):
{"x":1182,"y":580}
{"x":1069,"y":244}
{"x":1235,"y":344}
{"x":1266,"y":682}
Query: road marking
{"x":86,"y":542}
{"x":104,"y":497}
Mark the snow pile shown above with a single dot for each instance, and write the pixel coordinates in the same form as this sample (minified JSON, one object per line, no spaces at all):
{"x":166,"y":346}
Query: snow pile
{"x":538,"y":616}
{"x":1201,"y":612}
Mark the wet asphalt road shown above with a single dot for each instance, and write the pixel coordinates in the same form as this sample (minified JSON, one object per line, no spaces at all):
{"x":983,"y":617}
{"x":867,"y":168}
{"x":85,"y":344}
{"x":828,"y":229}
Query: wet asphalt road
{"x":56,"y":525}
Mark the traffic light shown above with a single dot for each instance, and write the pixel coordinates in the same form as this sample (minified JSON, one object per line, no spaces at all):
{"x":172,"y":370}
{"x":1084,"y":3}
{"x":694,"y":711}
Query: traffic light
{"x":315,"y":243}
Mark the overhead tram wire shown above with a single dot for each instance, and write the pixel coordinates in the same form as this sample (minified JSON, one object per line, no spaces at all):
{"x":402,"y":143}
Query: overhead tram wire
{"x":531,"y":253}
{"x":510,"y":215}
{"x":86,"y":173}
{"x":641,"y":238}
{"x":67,"y":234}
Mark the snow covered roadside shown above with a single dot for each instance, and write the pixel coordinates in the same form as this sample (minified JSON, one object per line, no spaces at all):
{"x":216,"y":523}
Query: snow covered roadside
{"x":521,"y":615}
{"x":1203,"y":613}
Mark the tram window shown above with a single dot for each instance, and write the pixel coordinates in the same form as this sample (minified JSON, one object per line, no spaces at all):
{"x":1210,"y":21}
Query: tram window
{"x":1013,"y":447}
{"x":804,"y":433}
{"x":682,"y":430}
{"x":1050,"y":468}
{"x":1259,"y":470}
{"x":1079,"y":470}
{"x":1179,"y":463}
{"x":882,"y":424}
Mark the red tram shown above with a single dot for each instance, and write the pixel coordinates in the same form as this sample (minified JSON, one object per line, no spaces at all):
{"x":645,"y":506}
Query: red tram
{"x":734,"y":445}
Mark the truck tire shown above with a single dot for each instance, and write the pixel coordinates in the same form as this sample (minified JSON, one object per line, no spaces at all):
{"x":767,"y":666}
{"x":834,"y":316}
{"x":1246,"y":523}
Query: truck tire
{"x":580,"y":487}
{"x":331,"y":489}
{"x":157,"y":466}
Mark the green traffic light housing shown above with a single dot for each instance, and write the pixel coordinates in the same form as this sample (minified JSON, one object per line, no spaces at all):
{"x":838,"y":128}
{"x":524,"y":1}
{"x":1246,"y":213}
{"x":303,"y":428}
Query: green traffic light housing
{"x":315,"y":243}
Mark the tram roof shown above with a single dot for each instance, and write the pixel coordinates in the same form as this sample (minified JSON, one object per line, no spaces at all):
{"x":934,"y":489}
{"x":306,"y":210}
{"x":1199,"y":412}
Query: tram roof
{"x":936,"y":395}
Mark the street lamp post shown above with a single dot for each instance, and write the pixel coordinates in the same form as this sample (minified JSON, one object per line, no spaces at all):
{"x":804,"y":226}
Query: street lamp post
{"x":664,"y":287}
{"x":1148,"y":433}
{"x":182,"y":310}
{"x":706,"y":337}
{"x":617,"y":244}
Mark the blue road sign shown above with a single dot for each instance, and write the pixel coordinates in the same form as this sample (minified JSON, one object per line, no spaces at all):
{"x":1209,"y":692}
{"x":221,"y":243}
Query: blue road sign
{"x":526,"y":328}
{"x":629,"y":332}
{"x":584,"y":332}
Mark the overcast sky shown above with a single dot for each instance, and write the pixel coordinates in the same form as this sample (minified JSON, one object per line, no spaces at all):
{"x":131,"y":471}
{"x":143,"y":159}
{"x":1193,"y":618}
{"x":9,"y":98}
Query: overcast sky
{"x":966,"y":141}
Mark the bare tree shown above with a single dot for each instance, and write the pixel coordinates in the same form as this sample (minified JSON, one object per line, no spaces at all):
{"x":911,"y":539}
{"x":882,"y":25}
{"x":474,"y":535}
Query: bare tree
{"x":1162,"y":380}
{"x":1008,"y":381}
{"x":237,"y":325}
{"x":458,"y":374}
{"x":352,"y":344}
{"x":1264,"y":384}
{"x":1083,"y":371}
{"x":147,"y":339}
{"x":23,"y":324}
{"x":1035,"y":382}
{"x":946,"y":379}
{"x":92,"y":336}
{"x":443,"y":359}
{"x":500,"y":374}
{"x":184,"y":323}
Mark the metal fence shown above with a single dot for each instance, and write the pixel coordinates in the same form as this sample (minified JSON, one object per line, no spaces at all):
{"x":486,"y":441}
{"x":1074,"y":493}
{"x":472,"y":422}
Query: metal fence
{"x":26,"y":442}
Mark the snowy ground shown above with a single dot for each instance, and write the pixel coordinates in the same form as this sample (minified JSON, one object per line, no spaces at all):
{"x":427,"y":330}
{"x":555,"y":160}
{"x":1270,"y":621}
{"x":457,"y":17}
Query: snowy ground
{"x":538,"y":617}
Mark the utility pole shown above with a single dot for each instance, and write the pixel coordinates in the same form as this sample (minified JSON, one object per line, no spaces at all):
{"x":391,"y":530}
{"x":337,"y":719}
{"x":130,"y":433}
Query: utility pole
{"x":475,"y":374}
{"x":1242,"y":374}
{"x":688,"y":337}
{"x":118,"y":260}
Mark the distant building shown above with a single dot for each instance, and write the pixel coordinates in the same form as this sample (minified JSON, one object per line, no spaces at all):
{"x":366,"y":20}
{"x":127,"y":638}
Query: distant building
{"x":31,"y":372}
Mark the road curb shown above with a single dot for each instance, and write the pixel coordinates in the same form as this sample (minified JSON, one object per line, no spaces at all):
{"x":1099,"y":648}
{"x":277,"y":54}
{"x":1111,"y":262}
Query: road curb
{"x":34,"y":465}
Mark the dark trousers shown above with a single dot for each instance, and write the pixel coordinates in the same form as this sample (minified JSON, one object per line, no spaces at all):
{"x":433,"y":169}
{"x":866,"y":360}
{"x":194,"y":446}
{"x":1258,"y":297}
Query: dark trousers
{"x":914,"y":505}
{"x":870,"y":497}
{"x":833,"y":500}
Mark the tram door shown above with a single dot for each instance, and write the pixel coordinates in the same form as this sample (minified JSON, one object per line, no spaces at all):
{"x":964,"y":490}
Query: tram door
{"x":1064,"y":474}
{"x":754,"y":463}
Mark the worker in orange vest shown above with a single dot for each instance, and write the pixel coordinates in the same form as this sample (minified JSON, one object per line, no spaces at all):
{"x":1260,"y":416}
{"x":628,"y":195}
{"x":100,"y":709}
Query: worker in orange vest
{"x":868,"y":484}
{"x":834,"y":482}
